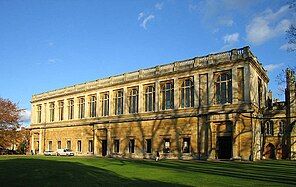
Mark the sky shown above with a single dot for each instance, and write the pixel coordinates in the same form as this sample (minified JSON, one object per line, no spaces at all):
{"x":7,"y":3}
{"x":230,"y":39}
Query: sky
{"x":46,"y":45}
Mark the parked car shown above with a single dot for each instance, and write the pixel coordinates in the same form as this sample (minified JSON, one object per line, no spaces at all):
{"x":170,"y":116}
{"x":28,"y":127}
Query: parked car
{"x":49,"y":153}
{"x":65,"y":152}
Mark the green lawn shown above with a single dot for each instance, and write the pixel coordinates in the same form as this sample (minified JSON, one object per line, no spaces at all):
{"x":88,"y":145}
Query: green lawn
{"x":92,"y":171}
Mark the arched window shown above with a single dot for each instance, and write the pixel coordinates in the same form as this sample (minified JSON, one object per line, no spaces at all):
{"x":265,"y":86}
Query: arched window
{"x":268,"y":128}
{"x":167,"y":95}
{"x":118,"y":102}
{"x":150,"y":99}
{"x":187,"y":93}
{"x":281,"y":127}
{"x":224,"y":88}
{"x":133,"y":101}
{"x":51,"y":111}
{"x":81,"y":107}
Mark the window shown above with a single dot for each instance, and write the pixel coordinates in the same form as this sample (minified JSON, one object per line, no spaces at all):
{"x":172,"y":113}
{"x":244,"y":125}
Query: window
{"x":70,"y":108}
{"x":59,"y":144}
{"x":69,"y":144}
{"x":79,"y":148}
{"x":150,"y":99}
{"x":133,"y":101}
{"x":187,"y":93}
{"x":61,"y":110}
{"x":90,"y":146}
{"x":166,"y":148}
{"x":186,"y":145}
{"x":50,"y":145}
{"x":223,"y":87}
{"x":148,"y":146}
{"x":116,"y":146}
{"x":105,"y":104}
{"x":131,"y":146}
{"x":281,"y":127}
{"x":268,"y":128}
{"x":118,"y":100}
{"x":51,"y":112}
{"x":93,"y":106}
{"x":39,"y":110}
{"x":81,"y":107}
{"x":167,"y":95}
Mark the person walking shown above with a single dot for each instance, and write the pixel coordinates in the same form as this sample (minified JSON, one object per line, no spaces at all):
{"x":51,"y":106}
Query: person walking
{"x":157,"y":156}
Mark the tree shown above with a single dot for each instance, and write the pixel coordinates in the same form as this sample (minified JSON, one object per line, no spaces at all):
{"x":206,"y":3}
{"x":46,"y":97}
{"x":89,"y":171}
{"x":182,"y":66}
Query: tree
{"x":291,"y":32}
{"x":9,"y":122}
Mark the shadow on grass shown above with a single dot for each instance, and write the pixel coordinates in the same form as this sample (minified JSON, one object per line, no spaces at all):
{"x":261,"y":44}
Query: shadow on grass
{"x":38,"y":172}
{"x":273,"y":172}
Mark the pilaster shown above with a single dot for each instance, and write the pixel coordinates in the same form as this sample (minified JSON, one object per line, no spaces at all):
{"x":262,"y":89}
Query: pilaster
{"x":176,"y":93}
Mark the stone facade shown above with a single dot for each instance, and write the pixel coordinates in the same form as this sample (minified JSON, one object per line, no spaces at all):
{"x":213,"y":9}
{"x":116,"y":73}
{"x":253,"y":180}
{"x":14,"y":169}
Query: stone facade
{"x":201,"y":108}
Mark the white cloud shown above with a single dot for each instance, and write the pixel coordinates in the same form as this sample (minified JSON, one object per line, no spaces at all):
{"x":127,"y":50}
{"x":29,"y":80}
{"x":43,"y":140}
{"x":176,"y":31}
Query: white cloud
{"x":141,"y":15}
{"x":147,"y":20}
{"x":288,"y":47}
{"x":25,"y":116}
{"x":268,"y":25}
{"x":225,"y":21}
{"x":53,"y":60}
{"x":231,"y":38}
{"x":271,"y":67}
{"x":159,"y":6}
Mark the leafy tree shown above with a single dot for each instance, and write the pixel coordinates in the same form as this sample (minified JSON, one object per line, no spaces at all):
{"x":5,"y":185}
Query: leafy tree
{"x":9,"y":122}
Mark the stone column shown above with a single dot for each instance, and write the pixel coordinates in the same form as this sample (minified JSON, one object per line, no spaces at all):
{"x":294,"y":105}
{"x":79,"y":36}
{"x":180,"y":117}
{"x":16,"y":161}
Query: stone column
{"x":32,"y":142}
{"x":66,"y":112}
{"x":98,"y":109}
{"x":234,"y":86}
{"x":87,"y":106}
{"x":109,"y":141}
{"x":125,"y":100}
{"x":196,"y":90}
{"x":44,"y":113}
{"x":95,"y":141}
{"x":157,"y":95}
{"x":211,"y":88}
{"x":40,"y":141}
{"x":176,"y":93}
{"x":247,"y":83}
{"x":56,"y":110}
{"x":140,"y":97}
{"x":76,"y":109}
{"x":111,"y":106}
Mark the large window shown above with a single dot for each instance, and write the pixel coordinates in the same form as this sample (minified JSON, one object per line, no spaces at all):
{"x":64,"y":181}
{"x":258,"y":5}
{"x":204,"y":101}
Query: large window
{"x":39,"y":110}
{"x":167,"y":95}
{"x":131,"y":146}
{"x":105,"y":104}
{"x":90,"y":146}
{"x":79,"y":147}
{"x":269,"y":128}
{"x":223,"y":87}
{"x":133,"y":100}
{"x":116,"y":146}
{"x":187,"y":93}
{"x":51,"y":111}
{"x":50,"y":146}
{"x":150,"y":99}
{"x":167,"y":145}
{"x":93,"y":106}
{"x":69,"y":144}
{"x":81,"y":107}
{"x":186,"y":145}
{"x":118,"y":100}
{"x":59,"y":144}
{"x":70,"y":108}
{"x":61,"y":110}
{"x":148,"y":146}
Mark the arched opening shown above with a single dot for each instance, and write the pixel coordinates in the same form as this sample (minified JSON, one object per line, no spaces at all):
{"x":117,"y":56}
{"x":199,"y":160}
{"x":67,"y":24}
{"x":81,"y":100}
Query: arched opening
{"x":270,"y":151}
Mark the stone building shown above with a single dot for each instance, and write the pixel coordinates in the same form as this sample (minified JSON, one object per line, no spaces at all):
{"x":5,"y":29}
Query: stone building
{"x":200,"y":108}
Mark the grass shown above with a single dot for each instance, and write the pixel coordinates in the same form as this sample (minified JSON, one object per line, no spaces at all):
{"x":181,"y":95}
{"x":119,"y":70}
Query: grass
{"x":92,"y":171}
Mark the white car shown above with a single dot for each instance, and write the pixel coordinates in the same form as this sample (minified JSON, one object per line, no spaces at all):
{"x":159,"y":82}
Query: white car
{"x":65,"y":152}
{"x":49,"y":153}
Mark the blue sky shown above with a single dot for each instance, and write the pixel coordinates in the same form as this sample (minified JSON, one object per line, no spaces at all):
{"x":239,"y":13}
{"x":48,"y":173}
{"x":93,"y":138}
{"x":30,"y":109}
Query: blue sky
{"x":45,"y":45}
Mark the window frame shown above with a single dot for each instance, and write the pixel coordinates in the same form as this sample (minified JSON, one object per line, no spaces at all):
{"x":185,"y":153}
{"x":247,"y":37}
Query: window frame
{"x":223,"y":87}
{"x":150,"y":98}
{"x":167,"y":99}
{"x":187,"y":91}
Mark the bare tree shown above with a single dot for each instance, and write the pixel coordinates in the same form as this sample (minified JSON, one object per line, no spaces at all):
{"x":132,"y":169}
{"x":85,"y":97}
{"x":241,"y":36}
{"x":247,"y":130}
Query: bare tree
{"x":291,"y":32}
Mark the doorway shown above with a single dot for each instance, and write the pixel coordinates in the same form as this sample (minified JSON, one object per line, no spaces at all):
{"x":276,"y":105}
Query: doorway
{"x":224,"y":144}
{"x":104,"y":147}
